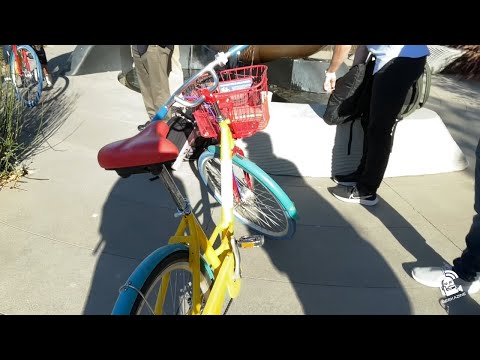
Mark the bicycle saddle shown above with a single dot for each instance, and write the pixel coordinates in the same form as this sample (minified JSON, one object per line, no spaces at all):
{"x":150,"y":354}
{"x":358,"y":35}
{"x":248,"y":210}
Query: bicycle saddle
{"x":145,"y":152}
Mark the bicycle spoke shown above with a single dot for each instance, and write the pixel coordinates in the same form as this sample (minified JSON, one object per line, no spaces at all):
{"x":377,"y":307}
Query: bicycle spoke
{"x":174,"y":292}
{"x":261,"y":209}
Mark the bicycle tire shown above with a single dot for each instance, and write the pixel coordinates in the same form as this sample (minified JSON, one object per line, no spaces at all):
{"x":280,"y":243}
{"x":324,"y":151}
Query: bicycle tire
{"x":278,"y":212}
{"x":38,"y":68}
{"x":144,"y":279}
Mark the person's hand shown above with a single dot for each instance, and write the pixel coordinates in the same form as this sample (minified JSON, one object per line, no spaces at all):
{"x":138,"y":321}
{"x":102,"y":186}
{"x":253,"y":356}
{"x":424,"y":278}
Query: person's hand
{"x":330,"y":80}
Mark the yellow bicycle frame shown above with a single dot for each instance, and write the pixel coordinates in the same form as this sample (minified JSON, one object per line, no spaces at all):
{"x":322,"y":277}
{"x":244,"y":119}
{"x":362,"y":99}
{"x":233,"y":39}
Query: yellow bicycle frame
{"x":221,"y":259}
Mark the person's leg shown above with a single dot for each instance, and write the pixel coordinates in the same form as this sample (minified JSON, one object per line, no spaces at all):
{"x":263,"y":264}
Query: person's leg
{"x":159,"y":67}
{"x":141,"y":68}
{"x":42,"y":57}
{"x":364,"y":103}
{"x":468,"y":264}
{"x":6,"y":51}
{"x":175,"y":78}
{"x":389,"y":89}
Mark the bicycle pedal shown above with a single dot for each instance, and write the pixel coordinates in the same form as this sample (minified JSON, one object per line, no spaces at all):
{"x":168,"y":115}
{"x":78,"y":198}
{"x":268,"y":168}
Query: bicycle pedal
{"x":249,"y":241}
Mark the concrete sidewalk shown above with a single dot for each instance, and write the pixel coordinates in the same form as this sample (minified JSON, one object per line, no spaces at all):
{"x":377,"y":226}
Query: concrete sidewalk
{"x":71,"y":233}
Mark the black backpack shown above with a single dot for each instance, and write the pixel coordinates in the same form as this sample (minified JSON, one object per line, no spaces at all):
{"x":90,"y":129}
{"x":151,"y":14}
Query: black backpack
{"x":351,"y":97}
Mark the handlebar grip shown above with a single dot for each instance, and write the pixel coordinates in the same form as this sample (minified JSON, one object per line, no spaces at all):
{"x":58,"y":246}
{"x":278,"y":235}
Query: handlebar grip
{"x":160,"y":113}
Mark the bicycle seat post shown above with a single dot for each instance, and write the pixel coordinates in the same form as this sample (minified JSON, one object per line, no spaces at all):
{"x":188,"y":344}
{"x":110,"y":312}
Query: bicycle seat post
{"x":182,"y":203}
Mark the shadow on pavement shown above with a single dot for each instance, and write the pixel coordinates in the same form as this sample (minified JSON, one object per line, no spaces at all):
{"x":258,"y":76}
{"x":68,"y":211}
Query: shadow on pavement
{"x":462,"y":306}
{"x":137,"y":218}
{"x":408,"y":237}
{"x":42,"y":121}
{"x":331,"y":266}
{"x":59,"y":65}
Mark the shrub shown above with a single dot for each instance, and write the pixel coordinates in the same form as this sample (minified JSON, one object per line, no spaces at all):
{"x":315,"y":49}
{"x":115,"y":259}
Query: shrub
{"x":468,"y":65}
{"x":11,"y":120}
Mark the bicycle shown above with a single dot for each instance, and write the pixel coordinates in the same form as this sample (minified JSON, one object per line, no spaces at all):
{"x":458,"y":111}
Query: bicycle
{"x":26,"y":74}
{"x":259,"y":202}
{"x":212,"y":263}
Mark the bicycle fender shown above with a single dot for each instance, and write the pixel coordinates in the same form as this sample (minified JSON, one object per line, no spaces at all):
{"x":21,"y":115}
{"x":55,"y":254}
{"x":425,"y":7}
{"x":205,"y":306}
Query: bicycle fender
{"x":137,"y":279}
{"x":264,"y":178}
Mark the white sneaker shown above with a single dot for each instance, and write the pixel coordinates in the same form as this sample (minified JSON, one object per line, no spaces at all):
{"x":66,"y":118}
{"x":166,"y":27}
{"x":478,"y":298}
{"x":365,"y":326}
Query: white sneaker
{"x":48,"y":80}
{"x":18,"y":81}
{"x":434,"y":276}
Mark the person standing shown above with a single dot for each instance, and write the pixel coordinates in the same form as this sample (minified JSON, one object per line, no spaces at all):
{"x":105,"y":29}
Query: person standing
{"x":153,"y":64}
{"x":42,"y":57}
{"x":396,"y":69}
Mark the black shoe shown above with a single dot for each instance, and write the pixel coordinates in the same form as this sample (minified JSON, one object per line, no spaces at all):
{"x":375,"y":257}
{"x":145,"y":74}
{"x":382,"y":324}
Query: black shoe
{"x":351,"y":194}
{"x":142,"y":127}
{"x":347,"y":180}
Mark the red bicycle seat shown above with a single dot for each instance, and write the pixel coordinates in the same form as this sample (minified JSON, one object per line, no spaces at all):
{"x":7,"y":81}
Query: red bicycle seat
{"x":148,"y":147}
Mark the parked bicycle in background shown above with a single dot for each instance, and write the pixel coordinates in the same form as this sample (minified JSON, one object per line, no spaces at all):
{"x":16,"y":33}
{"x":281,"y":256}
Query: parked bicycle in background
{"x":25,"y":73}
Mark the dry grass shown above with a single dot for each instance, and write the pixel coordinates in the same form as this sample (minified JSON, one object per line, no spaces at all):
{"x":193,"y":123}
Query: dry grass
{"x":10,"y":127}
{"x":12,"y":178}
{"x":467,"y":65}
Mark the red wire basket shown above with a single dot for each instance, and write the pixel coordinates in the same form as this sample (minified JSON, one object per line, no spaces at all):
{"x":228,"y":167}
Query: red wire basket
{"x":242,"y":96}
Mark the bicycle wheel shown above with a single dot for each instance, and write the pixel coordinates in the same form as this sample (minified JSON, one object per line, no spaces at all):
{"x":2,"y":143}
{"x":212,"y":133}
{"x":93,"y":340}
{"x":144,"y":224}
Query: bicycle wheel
{"x":262,"y":205}
{"x":27,"y":77}
{"x":179,"y":291}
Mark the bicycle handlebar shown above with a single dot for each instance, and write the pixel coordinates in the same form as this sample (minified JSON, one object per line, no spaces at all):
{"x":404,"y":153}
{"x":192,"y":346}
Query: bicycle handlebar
{"x":221,"y":58}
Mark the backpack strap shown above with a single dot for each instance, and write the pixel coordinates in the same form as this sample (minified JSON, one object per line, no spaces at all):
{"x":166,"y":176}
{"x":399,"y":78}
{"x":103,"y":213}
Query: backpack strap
{"x":428,"y":84}
{"x":419,"y":95}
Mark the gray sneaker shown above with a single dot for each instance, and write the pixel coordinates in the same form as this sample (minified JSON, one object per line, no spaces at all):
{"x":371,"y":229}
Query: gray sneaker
{"x":351,"y":194}
{"x":434,"y":276}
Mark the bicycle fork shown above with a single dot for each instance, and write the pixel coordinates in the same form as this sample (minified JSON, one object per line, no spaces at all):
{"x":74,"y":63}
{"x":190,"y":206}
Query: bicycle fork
{"x":196,"y":240}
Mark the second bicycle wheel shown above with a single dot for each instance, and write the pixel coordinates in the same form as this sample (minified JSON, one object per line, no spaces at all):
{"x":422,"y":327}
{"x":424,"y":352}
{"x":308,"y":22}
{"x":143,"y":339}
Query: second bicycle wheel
{"x":27,"y":77}
{"x":261,"y":205}
{"x":178,"y":297}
